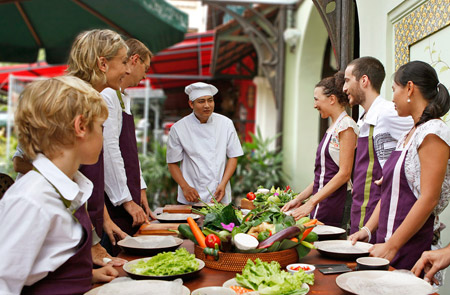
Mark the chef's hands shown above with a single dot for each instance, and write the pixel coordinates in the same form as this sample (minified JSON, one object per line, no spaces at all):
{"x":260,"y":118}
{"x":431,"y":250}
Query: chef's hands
{"x":383,"y":250}
{"x":112,"y":230}
{"x":431,"y":262}
{"x":138,"y":214}
{"x":220,"y":192}
{"x":104,"y":275}
{"x":99,"y":253}
{"x":360,"y":235}
{"x":302,"y":211}
{"x":145,"y":206}
{"x":291,"y":204}
{"x":190,"y":194}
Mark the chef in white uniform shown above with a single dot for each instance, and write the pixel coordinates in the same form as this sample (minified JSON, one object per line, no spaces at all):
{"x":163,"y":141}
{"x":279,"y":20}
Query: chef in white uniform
{"x":207,"y":146}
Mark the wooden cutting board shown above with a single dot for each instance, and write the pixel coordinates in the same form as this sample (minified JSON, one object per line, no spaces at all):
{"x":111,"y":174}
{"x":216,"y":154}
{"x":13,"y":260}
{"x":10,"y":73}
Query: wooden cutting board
{"x":177,"y":209}
{"x":158,"y":229}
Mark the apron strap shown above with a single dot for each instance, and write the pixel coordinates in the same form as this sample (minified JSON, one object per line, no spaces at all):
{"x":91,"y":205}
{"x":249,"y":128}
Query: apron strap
{"x":369,"y":177}
{"x":119,"y":95}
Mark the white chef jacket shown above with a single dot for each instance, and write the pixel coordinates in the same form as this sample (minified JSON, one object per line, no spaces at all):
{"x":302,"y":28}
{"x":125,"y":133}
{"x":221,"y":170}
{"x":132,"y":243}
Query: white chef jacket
{"x":115,"y":177}
{"x":203,"y":150}
{"x":38,"y":233}
{"x":388,"y":127}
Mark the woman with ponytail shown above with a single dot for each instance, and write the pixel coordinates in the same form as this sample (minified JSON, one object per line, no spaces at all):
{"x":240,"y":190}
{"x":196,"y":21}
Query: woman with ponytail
{"x":416,"y":178}
{"x":334,"y":158}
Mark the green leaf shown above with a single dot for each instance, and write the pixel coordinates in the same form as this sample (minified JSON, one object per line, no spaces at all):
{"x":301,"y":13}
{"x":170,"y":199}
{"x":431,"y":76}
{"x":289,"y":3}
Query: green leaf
{"x":443,"y":69}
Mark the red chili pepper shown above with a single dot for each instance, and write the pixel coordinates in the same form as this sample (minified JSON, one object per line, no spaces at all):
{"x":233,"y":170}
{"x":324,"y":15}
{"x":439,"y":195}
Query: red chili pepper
{"x":287,"y":188}
{"x":211,"y":241}
{"x":251,"y":196}
{"x":297,"y":268}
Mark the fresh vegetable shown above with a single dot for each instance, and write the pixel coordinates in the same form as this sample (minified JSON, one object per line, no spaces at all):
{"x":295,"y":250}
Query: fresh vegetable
{"x":245,"y":241}
{"x":197,"y":232}
{"x":224,"y":235}
{"x":311,"y":237}
{"x":211,"y":252}
{"x":240,"y":290}
{"x":264,"y":235}
{"x":307,"y":245}
{"x":275,"y":196}
{"x":286,"y":233}
{"x":294,"y":239}
{"x":251,"y":196}
{"x":212,"y":240}
{"x":167,"y":263}
{"x":186,"y":232}
{"x":311,"y":225}
{"x":265,"y":226}
{"x":268,"y":279}
{"x":263,"y":191}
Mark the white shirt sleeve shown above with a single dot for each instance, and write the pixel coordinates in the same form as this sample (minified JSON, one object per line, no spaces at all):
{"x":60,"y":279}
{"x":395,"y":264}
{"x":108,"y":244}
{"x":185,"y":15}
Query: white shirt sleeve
{"x":174,"y":147}
{"x":24,"y":228}
{"x":398,"y":125}
{"x":234,"y":148}
{"x":143,"y":184}
{"x":115,"y":177}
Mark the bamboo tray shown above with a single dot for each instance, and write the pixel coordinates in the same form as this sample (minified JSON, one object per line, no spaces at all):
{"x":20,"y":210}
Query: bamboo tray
{"x":237,"y":261}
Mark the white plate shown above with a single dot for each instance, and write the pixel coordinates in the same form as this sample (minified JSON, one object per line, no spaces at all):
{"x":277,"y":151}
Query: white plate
{"x":95,"y":291}
{"x":323,"y":230}
{"x":213,"y":291}
{"x":175,"y":217}
{"x":378,"y":282}
{"x":233,"y":282}
{"x":343,"y":249}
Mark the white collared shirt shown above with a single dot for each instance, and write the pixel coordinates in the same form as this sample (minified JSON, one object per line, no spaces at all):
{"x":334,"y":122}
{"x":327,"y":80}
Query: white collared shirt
{"x":38,"y":233}
{"x":388,"y":129}
{"x":115,"y":176}
{"x":203,"y":150}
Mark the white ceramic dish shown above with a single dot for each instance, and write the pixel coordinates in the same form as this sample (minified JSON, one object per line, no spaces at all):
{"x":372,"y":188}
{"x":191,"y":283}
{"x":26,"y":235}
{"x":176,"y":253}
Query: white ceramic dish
{"x":126,"y":287}
{"x":175,"y":217}
{"x":233,"y":282}
{"x":213,"y":291}
{"x":308,"y":268}
{"x":372,"y":263}
{"x":343,"y":249}
{"x":185,"y":276}
{"x":325,"y":230}
{"x":149,"y":245}
{"x":379,"y":282}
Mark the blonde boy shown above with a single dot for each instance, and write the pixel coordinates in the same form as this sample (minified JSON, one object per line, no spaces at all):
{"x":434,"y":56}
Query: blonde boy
{"x":46,"y":231}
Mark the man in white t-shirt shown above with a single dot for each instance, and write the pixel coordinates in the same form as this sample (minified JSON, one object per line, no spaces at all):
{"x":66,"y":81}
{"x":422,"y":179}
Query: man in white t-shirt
{"x":380,"y":127}
{"x":207,"y":146}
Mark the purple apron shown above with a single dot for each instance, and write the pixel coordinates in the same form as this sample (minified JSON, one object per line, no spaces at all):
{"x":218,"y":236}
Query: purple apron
{"x":96,"y":202}
{"x":75,"y":275}
{"x":128,"y":149}
{"x":330,"y":210}
{"x":366,"y":193}
{"x":397,"y":200}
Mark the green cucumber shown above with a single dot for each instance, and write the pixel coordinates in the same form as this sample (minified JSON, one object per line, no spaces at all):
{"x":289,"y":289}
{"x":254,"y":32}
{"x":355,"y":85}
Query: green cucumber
{"x":311,"y":237}
{"x":186,"y":232}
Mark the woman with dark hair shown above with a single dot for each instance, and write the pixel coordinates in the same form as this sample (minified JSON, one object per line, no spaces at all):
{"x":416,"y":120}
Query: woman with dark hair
{"x":416,"y":179}
{"x":334,"y":157}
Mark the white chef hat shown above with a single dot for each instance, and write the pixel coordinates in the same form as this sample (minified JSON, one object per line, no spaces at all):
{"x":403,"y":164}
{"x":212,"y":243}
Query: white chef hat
{"x":199,"y":89}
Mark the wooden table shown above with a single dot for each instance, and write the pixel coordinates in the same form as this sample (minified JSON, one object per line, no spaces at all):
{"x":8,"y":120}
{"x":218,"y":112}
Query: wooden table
{"x":323,"y":284}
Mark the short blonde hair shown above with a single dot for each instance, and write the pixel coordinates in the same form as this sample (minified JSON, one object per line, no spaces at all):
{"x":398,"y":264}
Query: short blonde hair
{"x":86,"y":50}
{"x":137,"y":47}
{"x":47,"y":110}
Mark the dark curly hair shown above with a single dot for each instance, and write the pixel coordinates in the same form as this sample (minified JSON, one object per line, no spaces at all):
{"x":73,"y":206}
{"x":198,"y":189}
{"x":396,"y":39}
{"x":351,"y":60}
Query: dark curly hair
{"x":333,"y":86}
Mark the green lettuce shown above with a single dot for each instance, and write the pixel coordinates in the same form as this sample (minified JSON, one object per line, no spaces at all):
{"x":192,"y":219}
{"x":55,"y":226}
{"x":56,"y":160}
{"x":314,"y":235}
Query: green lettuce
{"x":267,"y":279}
{"x":167,"y":263}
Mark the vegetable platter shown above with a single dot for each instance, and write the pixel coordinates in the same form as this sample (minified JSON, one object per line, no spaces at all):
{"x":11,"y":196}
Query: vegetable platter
{"x":227,"y":239}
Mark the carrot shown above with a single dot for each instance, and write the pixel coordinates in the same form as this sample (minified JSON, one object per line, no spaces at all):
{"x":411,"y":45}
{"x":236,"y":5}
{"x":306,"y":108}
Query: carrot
{"x":308,"y":230}
{"x":199,"y":236}
{"x":240,"y":290}
{"x":294,"y":239}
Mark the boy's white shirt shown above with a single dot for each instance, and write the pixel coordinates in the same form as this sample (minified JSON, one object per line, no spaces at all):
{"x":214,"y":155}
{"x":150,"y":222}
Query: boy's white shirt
{"x":38,"y":233}
{"x":115,"y":177}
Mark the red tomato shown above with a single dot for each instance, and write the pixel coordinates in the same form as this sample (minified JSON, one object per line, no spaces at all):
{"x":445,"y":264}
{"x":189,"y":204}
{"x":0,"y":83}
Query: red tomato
{"x":287,"y":188}
{"x":251,"y":196}
{"x":211,"y":241}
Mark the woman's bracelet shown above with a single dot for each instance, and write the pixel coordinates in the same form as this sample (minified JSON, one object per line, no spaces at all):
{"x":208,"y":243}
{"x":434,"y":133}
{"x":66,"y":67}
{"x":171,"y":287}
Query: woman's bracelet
{"x":369,"y":234}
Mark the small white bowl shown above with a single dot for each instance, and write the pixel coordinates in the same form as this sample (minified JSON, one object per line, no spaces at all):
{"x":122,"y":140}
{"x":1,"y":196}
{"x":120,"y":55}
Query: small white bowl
{"x":308,"y":268}
{"x":213,"y":291}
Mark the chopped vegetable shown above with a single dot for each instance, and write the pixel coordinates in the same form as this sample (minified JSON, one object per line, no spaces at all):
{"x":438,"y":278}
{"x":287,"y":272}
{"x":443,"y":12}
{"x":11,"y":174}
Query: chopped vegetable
{"x":212,"y":240}
{"x":167,"y":263}
{"x":296,"y":268}
{"x":199,"y":236}
{"x":268,"y":279}
{"x":240,"y":290}
{"x":245,"y":241}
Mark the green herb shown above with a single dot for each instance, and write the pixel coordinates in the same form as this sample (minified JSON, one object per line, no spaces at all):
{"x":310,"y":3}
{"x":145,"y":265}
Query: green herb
{"x":268,"y":279}
{"x":167,"y":263}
